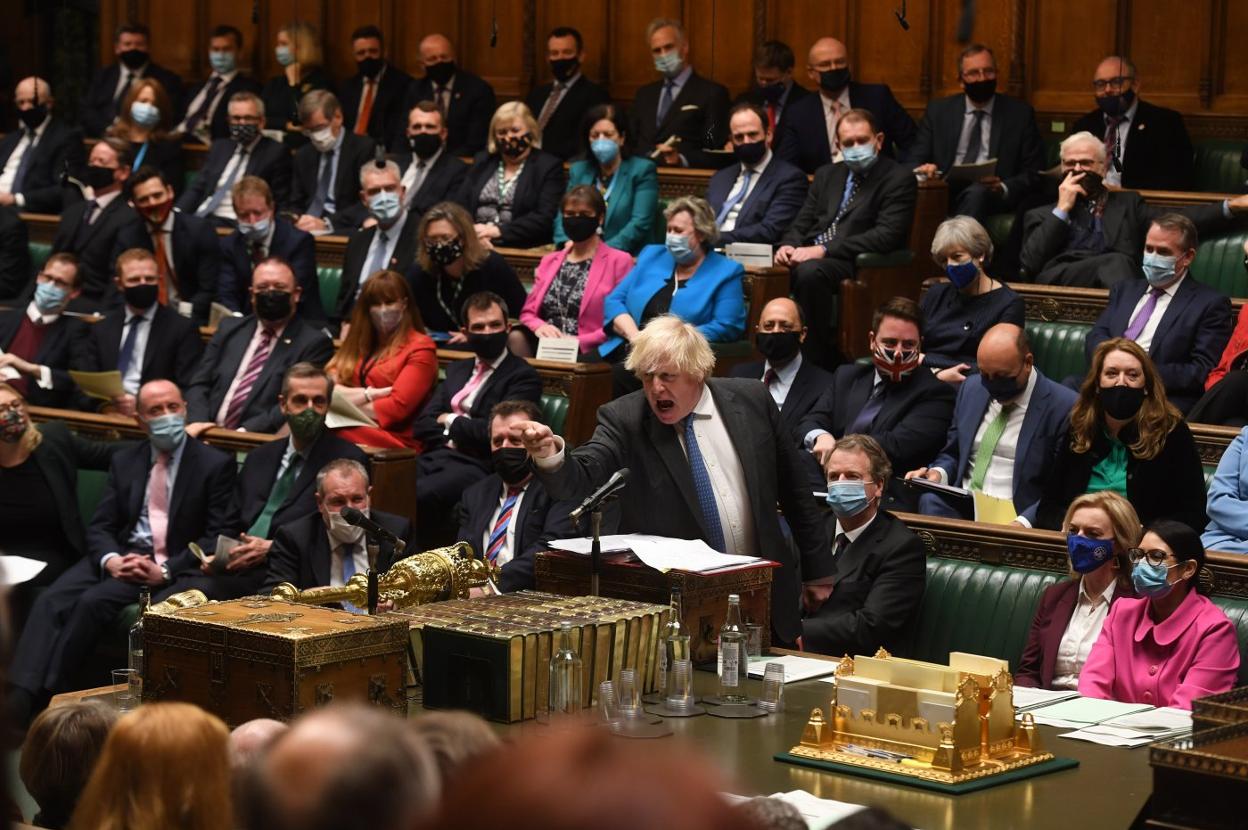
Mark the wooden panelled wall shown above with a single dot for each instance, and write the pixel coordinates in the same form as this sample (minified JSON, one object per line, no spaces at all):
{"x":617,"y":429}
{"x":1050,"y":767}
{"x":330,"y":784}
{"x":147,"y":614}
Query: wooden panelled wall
{"x":1046,"y":49}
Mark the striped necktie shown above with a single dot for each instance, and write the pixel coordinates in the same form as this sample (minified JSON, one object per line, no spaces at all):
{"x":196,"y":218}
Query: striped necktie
{"x":234,"y":414}
{"x":498,"y":536}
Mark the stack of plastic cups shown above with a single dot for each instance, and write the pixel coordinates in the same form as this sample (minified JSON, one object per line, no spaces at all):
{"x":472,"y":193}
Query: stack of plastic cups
{"x":628,"y":694}
{"x":680,"y":686}
{"x":773,"y":688}
{"x":607,"y":702}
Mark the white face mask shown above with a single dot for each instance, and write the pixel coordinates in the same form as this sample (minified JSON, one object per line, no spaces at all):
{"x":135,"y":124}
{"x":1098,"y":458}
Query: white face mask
{"x":342,"y":532}
{"x":322,"y":139}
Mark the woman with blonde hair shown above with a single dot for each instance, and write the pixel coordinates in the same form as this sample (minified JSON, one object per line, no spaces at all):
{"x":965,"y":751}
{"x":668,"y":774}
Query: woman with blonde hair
{"x":145,"y":120}
{"x":512,"y":190}
{"x":1100,"y":528}
{"x":1125,"y":436}
{"x":387,"y":364}
{"x":164,"y":765}
{"x":298,"y":53}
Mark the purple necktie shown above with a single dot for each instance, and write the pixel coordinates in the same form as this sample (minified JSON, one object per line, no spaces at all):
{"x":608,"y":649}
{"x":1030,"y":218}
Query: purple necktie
{"x":1141,"y":320}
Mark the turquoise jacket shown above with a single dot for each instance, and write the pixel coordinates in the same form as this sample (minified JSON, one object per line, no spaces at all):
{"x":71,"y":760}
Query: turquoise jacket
{"x":632,"y":208}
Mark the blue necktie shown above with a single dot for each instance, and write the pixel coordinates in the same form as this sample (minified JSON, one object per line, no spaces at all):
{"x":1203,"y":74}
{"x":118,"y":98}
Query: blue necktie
{"x":378,"y":262}
{"x":321,"y":200}
{"x":706,"y":493}
{"x":127,"y":348}
{"x":851,"y":190}
{"x":665,"y":104}
{"x":869,"y":410}
{"x":735,"y":198}
{"x":223,"y":189}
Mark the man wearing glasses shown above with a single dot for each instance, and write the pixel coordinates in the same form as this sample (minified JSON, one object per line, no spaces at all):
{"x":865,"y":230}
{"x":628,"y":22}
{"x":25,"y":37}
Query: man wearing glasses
{"x":36,"y":340}
{"x":1146,"y":146}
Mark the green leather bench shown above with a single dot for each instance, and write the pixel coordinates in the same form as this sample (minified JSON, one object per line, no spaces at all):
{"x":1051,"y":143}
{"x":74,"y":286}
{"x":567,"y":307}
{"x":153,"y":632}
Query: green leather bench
{"x":1217,"y":168}
{"x":329,"y":280}
{"x":1058,"y":347}
{"x":39,"y":253}
{"x":1220,"y":262}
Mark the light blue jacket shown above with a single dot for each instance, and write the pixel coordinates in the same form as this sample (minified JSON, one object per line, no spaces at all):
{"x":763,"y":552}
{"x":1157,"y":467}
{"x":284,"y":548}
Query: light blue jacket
{"x":1228,"y":500}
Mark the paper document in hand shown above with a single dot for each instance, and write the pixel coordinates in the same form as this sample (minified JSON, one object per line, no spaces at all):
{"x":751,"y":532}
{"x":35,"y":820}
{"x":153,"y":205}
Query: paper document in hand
{"x":102,"y":385}
{"x":795,"y":668}
{"x":971,"y":172}
{"x":663,"y":553}
{"x":343,"y":413}
{"x":14,"y":570}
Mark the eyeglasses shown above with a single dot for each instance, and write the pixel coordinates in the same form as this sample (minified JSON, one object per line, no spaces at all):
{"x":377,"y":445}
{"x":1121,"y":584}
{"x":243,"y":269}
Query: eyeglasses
{"x":1101,"y":84}
{"x":16,"y":406}
{"x":1154,"y":557}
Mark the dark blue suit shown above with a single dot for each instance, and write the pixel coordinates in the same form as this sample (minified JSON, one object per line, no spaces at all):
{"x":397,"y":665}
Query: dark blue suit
{"x":1044,"y":430}
{"x":1189,"y":338}
{"x":291,"y":244}
{"x":769,"y":209}
{"x":803,"y":135}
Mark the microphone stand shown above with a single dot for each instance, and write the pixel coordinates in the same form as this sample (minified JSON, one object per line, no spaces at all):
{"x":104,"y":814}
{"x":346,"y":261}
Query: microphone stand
{"x":595,"y":550}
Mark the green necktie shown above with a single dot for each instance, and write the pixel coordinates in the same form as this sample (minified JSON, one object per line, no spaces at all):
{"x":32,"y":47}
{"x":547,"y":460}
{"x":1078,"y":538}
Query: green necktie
{"x":278,"y":495}
{"x":992,"y":437}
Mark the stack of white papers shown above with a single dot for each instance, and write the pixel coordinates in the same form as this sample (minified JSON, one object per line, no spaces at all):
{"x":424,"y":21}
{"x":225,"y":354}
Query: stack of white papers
{"x":795,"y":668}
{"x":1027,"y":698}
{"x":818,"y":812}
{"x":1084,"y":711}
{"x":664,"y":554}
{"x":1138,"y":728}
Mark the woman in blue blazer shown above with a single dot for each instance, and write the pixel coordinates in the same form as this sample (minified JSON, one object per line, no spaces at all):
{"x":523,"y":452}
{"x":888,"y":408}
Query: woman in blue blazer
{"x":683,"y":277}
{"x":628,"y":184}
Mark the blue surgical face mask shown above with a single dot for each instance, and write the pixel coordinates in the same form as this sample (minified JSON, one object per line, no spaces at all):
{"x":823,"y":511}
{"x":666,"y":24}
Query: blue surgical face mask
{"x":604,"y":149}
{"x":1088,"y":554}
{"x":167,"y":432}
{"x":49,"y":296}
{"x":144,"y":114}
{"x":859,"y":157}
{"x":678,"y":246}
{"x":962,"y":274}
{"x":222,"y":62}
{"x":257,"y":231}
{"x":1158,"y":269}
{"x":669,"y":63}
{"x":847,"y":498}
{"x":284,"y":55}
{"x":1151,"y":580}
{"x":385,"y":206}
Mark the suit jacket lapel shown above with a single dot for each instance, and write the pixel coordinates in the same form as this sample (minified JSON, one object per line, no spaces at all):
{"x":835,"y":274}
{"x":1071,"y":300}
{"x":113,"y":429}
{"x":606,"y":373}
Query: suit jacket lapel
{"x":1062,"y":613}
{"x":280,"y":345}
{"x":154,"y":344}
{"x":1036,"y":408}
{"x":744,"y":440}
{"x":1131,"y":296}
{"x":760,"y":193}
{"x":977,"y":407}
{"x":663,"y":439}
{"x":320,"y":558}
{"x":1174,"y":309}
{"x":664,"y":128}
{"x":859,"y":393}
{"x":852,"y":557}
{"x":188,"y":472}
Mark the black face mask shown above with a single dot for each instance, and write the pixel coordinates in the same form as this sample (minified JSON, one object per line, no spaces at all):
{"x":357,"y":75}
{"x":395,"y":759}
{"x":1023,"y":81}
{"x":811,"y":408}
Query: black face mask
{"x":834,"y":80}
{"x":133,"y":58}
{"x":12,"y":426}
{"x":980,"y":92}
{"x":772,"y":93}
{"x":511,"y":464}
{"x":272,"y":306}
{"x":34,"y":116}
{"x":579,"y":228}
{"x":141,"y":296}
{"x":425,"y":145}
{"x":1115,"y":105}
{"x":369,"y":67}
{"x":751,"y":153}
{"x":1121,"y":402}
{"x":440,"y":73}
{"x":564,"y":68}
{"x":444,"y":253}
{"x":1002,"y":389}
{"x":99,"y":177}
{"x":779,"y":346}
{"x":513,"y":145}
{"x":487,"y":346}
{"x":244,"y":134}
{"x":1092,"y":183}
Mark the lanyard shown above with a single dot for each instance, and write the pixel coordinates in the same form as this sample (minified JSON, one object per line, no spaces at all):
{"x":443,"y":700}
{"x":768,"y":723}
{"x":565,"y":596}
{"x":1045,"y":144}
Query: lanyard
{"x":606,"y":193}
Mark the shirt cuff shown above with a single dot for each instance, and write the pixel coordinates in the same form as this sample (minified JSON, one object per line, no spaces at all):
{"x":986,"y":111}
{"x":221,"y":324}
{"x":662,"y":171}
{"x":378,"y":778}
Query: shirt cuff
{"x":1061,"y":214}
{"x":107,"y":557}
{"x":944,"y":476}
{"x":1005,"y":191}
{"x":19,"y":200}
{"x":1226,"y":209}
{"x":1022,"y":520}
{"x":446,"y":428}
{"x":551,"y":463}
{"x":45,"y":378}
{"x":809,"y":441}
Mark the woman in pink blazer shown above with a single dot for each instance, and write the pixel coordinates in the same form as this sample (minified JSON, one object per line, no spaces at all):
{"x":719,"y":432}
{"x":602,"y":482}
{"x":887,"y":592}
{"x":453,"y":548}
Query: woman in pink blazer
{"x":1172,"y":645}
{"x":571,"y":284}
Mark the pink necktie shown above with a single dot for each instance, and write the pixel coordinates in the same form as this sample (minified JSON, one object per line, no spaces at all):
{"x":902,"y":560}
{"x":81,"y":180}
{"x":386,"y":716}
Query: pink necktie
{"x":158,"y":506}
{"x":234,"y":414}
{"x":457,"y":402}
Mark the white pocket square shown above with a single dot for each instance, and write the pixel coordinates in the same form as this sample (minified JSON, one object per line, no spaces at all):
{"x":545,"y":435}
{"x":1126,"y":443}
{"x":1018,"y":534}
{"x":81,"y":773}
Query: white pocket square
{"x":689,"y":107}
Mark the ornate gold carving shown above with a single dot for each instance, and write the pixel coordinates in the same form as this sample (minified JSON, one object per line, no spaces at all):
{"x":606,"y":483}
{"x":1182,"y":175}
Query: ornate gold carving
{"x":184,"y":599}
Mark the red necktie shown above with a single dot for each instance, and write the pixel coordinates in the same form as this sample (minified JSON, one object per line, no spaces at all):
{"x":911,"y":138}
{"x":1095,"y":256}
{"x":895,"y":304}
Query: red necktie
{"x":234,"y":414}
{"x":771,"y":117}
{"x":366,"y":109}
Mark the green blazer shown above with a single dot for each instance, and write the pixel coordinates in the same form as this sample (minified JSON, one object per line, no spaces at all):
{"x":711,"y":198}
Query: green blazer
{"x":633,"y":206}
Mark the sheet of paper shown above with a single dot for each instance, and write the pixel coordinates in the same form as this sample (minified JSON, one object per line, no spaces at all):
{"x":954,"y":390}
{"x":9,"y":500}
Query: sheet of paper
{"x":217,"y":312}
{"x":1094,"y":734}
{"x":1086,"y":710}
{"x":1161,"y":719}
{"x":561,"y":349}
{"x":937,"y":487}
{"x":971,"y":172}
{"x":664,"y":554}
{"x":992,"y":510}
{"x":1026,"y":697}
{"x":14,"y":570}
{"x":224,"y":545}
{"x":343,"y":413}
{"x":102,"y":385}
{"x":795,"y":668}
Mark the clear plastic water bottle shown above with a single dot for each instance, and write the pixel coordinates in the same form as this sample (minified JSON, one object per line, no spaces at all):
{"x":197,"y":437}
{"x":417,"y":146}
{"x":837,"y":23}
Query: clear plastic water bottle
{"x":565,"y":676}
{"x":733,"y":660}
{"x":673,"y":641}
{"x":136,"y":634}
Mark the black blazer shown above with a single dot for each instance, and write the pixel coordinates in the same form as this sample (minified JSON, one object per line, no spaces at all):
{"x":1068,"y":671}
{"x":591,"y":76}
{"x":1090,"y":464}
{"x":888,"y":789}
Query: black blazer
{"x":441,"y":184}
{"x":769,"y":209}
{"x":58,"y":151}
{"x":876,"y":221}
{"x":355,"y":259}
{"x":281,"y":102}
{"x":1170,"y":486}
{"x":99,"y":107}
{"x":661,"y":499}
{"x":196,"y":258}
{"x":698,"y":116}
{"x":809,"y":383}
{"x":1014,"y":141}
{"x":172,"y":353}
{"x":468,"y":118}
{"x":493,"y":274}
{"x":539,"y":521}
{"x":15,"y":265}
{"x":220,"y":363}
{"x":56,"y":352}
{"x":1158,"y":155}
{"x":268,"y":159}
{"x":301,"y":554}
{"x":792,"y":95}
{"x":562,"y":136}
{"x":199,"y":509}
{"x":60,"y":456}
{"x":220,"y":124}
{"x":387,"y":125}
{"x":291,"y":244}
{"x":879,"y":580}
{"x":1189,"y":338}
{"x":95,"y":245}
{"x":535,"y":200}
{"x":355,"y":153}
{"x":803,"y":136}
{"x":513,"y":380}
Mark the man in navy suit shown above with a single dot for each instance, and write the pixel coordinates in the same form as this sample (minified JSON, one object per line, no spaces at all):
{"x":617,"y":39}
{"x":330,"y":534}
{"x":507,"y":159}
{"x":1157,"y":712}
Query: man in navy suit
{"x":326,"y":169}
{"x":508,"y":516}
{"x":773,"y":89}
{"x":35,"y":155}
{"x":978,"y":125}
{"x":465,"y":101}
{"x":808,"y":137}
{"x":245,"y":152}
{"x":206,"y":114}
{"x":161,"y":494}
{"x":241,"y":372}
{"x":1008,"y":423}
{"x":429,"y":173}
{"x":560,"y":105}
{"x":373,"y":99}
{"x":110,"y":84}
{"x":262,"y":234}
{"x":756,"y":199}
{"x":37,"y":340}
{"x":1183,"y":325}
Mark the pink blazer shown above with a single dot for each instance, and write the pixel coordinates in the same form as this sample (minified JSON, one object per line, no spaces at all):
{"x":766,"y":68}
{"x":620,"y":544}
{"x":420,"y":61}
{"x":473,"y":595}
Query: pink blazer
{"x":1192,"y":654}
{"x":605,"y":272}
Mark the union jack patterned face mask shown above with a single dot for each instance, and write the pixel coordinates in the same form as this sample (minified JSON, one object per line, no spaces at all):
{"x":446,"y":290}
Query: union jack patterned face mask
{"x":895,"y":364}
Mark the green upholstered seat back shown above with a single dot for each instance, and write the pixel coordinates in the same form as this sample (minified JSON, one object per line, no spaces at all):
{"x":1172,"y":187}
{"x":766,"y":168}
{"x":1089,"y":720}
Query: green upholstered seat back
{"x":1236,"y":611}
{"x":1217,"y":166}
{"x":1058,"y":347}
{"x":999,"y":227}
{"x":555,"y":411}
{"x":39,"y":253}
{"x":90,"y":488}
{"x":328,"y":280}
{"x":1220,"y":263}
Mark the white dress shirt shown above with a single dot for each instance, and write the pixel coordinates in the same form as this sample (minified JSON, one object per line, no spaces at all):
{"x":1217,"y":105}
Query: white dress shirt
{"x":25,"y":144}
{"x":205,"y":124}
{"x":508,"y":551}
{"x":785,"y":375}
{"x":467,"y":402}
{"x":387,"y":247}
{"x":337,"y":555}
{"x":130,"y":380}
{"x":723,"y":466}
{"x":225,"y":208}
{"x":999,"y":480}
{"x":133,"y":74}
{"x":1113,"y":176}
{"x":242,"y":366}
{"x":101,"y":202}
{"x":968,"y":124}
{"x":851,"y":536}
{"x":730,"y":221}
{"x":1145,"y":340}
{"x":166,"y":228}
{"x":414,"y":177}
{"x":1081,"y":634}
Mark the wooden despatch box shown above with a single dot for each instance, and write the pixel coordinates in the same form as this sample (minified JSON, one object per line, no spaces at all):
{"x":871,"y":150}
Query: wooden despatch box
{"x":262,"y":658}
{"x":704,"y":597}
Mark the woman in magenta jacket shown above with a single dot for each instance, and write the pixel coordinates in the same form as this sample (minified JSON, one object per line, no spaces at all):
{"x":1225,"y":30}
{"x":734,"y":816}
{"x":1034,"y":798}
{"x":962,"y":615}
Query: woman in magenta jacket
{"x":1172,"y":645}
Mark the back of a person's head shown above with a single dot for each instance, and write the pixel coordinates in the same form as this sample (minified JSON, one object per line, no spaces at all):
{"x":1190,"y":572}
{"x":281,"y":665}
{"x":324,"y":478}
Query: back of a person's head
{"x":772,"y":814}
{"x":456,"y":739}
{"x":583,"y":779}
{"x":164,"y":765}
{"x":60,"y":750}
{"x":872,"y":818}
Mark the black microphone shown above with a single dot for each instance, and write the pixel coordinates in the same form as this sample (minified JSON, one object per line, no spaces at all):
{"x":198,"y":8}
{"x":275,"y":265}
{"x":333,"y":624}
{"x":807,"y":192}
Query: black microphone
{"x":900,"y":14}
{"x":357,"y":518}
{"x":610,"y":488}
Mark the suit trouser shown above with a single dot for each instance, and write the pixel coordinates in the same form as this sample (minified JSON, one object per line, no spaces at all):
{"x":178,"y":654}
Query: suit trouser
{"x":815,"y":285}
{"x":1226,"y":403}
{"x":442,"y":475}
{"x":1098,"y":271}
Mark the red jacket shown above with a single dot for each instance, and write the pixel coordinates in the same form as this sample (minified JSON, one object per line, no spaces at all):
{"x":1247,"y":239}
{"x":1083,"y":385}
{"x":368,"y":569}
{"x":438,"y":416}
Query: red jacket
{"x":1236,"y":347}
{"x":412,"y":371}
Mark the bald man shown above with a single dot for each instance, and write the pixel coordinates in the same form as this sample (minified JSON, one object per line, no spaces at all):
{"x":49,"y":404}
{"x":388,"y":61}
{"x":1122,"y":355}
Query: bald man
{"x":1007,"y":424}
{"x":33,"y":157}
{"x":465,"y":101}
{"x":807,"y":135}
